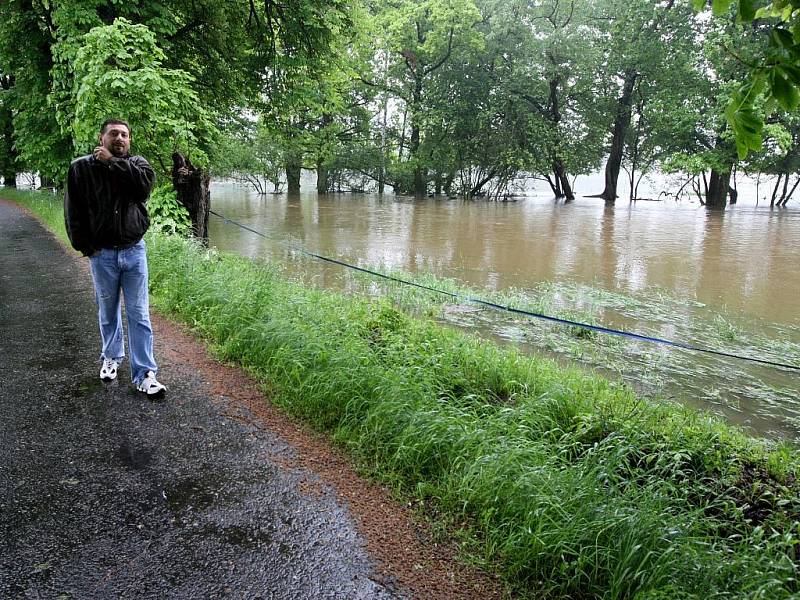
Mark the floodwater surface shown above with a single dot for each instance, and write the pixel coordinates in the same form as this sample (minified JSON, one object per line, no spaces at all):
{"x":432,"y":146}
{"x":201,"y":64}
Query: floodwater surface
{"x":725,"y":280}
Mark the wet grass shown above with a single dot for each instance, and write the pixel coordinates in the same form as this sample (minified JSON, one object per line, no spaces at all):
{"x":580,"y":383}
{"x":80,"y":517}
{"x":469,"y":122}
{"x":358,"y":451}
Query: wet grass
{"x":571,"y":485}
{"x":712,"y":382}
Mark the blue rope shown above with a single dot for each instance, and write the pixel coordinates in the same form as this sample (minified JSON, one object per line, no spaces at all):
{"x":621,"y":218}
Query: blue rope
{"x":526,"y":313}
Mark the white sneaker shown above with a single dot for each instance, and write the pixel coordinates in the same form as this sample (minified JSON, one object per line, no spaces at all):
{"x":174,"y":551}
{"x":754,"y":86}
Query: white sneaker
{"x":108,"y":371}
{"x":150,"y":386}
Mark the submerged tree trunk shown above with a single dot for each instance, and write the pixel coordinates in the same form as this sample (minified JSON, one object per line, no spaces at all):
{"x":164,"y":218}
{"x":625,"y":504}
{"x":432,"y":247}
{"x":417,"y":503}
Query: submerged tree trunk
{"x":718,"y":189}
{"x":448,"y":183}
{"x":322,"y":178}
{"x":293,"y":168}
{"x":788,"y":195}
{"x":718,"y":186}
{"x":622,"y":122}
{"x":563,"y":187}
{"x":420,"y":183}
{"x":478,"y":187}
{"x":192,"y":186}
{"x":775,"y":190}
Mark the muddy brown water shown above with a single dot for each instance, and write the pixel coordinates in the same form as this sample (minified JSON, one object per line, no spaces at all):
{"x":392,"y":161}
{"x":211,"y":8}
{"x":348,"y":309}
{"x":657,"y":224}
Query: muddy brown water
{"x":727,"y":280}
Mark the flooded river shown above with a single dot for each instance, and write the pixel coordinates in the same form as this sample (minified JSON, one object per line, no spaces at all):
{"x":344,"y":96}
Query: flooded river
{"x":724,"y":280}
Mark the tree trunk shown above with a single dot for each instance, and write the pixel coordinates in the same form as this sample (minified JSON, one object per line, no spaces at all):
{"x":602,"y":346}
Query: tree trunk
{"x":478,"y":187}
{"x":384,"y":121}
{"x":8,"y":152}
{"x":789,"y":195}
{"x":193,"y":188}
{"x":564,"y":189}
{"x":717,"y":189}
{"x":438,"y":183}
{"x":622,"y":122}
{"x":553,"y":183}
{"x":420,"y":175}
{"x":560,"y":172}
{"x":775,"y":191}
{"x":420,"y":184}
{"x":448,"y":183}
{"x":293,"y":168}
{"x":322,"y":178}
{"x":402,"y":135}
{"x":785,"y":189}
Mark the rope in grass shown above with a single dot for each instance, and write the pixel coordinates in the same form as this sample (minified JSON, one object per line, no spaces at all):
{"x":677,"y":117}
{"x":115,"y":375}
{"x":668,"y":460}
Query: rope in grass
{"x":518,"y":311}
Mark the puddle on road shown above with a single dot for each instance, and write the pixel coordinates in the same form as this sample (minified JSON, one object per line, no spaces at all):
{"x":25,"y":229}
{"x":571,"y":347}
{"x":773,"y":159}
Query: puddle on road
{"x":52,"y":363}
{"x":135,"y":458}
{"x":87,"y":386}
{"x":236,"y":535}
{"x":191,"y":493}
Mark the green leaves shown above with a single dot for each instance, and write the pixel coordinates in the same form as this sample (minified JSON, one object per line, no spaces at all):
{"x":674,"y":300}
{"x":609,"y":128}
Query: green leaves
{"x":747,"y":127}
{"x":720,"y":7}
{"x":775,"y":72}
{"x":746,"y":124}
{"x":782,"y":38}
{"x":747,"y":10}
{"x":782,"y":89}
{"x":118,"y":73}
{"x":167,"y":215}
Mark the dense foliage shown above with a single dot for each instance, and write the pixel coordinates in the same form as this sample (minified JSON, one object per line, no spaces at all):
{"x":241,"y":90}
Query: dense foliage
{"x":173,"y":69}
{"x":447,"y":96}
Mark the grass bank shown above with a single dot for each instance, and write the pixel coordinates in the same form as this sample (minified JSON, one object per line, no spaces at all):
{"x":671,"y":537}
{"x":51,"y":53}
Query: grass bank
{"x":570,"y":484}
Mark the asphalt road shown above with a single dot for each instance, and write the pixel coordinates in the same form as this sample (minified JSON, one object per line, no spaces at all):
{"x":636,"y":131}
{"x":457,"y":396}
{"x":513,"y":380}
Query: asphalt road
{"x":104,"y":494}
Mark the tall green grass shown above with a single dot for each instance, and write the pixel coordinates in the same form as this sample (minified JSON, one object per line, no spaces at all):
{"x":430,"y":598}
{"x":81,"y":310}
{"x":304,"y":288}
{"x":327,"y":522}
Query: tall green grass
{"x":570,"y":484}
{"x":573,"y":485}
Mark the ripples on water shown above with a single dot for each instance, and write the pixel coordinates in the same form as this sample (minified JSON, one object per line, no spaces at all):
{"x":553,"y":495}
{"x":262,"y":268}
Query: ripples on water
{"x":725,"y":280}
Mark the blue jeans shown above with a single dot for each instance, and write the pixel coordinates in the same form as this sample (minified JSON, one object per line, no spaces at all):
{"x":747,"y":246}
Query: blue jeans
{"x":124,"y":270}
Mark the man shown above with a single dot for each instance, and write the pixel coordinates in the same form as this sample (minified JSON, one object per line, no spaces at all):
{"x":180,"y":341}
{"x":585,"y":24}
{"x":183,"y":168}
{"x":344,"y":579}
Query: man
{"x":105,"y":215}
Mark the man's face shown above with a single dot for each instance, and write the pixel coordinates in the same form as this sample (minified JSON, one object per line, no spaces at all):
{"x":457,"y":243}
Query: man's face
{"x":116,"y":139}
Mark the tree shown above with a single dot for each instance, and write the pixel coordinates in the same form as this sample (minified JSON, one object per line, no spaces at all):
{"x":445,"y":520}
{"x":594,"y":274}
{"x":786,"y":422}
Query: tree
{"x":227,"y":48}
{"x":26,"y":37}
{"x":711,"y":154}
{"x":773,"y":72}
{"x":780,"y":156}
{"x":642,"y":39}
{"x":543,"y":55}
{"x":118,"y":71}
{"x":420,"y":37}
{"x":246,"y":152}
{"x":9,"y":157}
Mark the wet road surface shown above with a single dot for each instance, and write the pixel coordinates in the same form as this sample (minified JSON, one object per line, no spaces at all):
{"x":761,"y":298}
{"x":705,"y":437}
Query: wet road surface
{"x":104,"y":494}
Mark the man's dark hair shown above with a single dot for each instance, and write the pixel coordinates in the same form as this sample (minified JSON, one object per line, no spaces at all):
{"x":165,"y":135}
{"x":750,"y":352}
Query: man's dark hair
{"x":108,"y":122}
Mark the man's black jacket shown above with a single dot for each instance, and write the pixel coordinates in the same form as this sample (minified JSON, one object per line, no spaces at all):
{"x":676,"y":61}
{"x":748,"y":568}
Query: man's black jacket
{"x":104,"y":206}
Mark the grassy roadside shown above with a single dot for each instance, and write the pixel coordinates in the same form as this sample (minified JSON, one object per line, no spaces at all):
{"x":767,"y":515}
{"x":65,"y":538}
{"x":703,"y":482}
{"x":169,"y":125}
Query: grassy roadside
{"x":573,"y":485}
